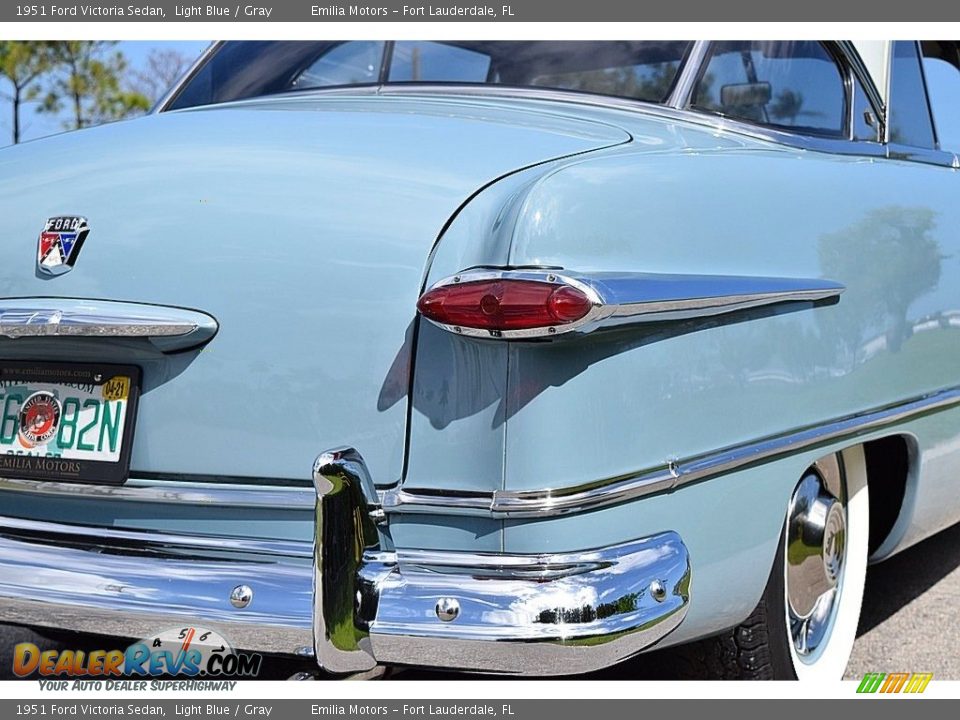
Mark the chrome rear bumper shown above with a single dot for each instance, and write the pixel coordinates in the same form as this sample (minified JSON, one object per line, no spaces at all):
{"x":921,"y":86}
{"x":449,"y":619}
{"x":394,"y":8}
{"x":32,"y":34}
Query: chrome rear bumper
{"x":527,"y":614}
{"x":544,"y":614}
{"x":136,"y":583}
{"x":350,"y":597}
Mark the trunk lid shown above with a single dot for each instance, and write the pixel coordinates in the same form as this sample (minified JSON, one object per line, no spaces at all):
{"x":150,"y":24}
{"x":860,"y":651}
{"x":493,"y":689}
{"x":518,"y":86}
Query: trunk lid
{"x":302,"y":226}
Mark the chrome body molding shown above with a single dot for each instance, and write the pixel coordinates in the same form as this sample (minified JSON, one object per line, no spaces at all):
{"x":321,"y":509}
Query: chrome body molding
{"x":674,"y":474}
{"x":132,"y":584}
{"x":513,"y":504}
{"x":545,"y":614}
{"x":620,"y":298}
{"x":168,"y":328}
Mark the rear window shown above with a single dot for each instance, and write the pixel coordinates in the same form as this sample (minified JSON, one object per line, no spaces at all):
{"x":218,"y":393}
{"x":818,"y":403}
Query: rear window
{"x":644,"y":70}
{"x":795,"y":85}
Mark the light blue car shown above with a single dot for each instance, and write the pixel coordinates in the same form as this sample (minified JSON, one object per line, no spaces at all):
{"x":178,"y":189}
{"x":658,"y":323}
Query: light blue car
{"x":509,"y":357}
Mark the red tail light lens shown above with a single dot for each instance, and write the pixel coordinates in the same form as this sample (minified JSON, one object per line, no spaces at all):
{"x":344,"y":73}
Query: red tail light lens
{"x":504,"y":304}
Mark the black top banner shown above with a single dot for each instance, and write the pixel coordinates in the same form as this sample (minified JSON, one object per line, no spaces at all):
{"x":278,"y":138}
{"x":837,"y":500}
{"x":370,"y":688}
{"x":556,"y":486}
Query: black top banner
{"x":579,"y":11}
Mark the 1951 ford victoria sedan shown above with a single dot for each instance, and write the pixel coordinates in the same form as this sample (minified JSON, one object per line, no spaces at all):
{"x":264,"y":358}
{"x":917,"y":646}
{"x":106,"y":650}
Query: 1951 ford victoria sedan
{"x":513,"y":357}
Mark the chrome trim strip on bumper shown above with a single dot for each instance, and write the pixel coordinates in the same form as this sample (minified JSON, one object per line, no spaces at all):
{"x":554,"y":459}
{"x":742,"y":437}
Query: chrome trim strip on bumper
{"x":611,"y":491}
{"x":133,"y":584}
{"x":545,"y":614}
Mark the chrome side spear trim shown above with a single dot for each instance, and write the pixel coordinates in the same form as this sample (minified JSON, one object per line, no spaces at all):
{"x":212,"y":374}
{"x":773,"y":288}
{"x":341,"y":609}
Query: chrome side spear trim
{"x":631,"y":298}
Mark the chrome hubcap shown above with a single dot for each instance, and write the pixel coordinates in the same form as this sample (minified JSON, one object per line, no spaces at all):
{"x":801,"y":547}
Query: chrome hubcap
{"x":816,"y":548}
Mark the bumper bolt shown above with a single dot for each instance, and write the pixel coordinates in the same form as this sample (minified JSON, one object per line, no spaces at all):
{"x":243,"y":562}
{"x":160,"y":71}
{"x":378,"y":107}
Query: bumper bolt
{"x":241,"y":596}
{"x":657,"y":591}
{"x":448,"y":609}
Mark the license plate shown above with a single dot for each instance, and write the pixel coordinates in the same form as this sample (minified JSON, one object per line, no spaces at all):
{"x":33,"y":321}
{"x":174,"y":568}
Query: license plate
{"x":67,"y":422}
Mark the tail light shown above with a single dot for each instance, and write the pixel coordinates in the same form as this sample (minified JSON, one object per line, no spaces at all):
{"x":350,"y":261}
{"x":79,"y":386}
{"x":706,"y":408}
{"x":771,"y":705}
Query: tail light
{"x":497,"y":306}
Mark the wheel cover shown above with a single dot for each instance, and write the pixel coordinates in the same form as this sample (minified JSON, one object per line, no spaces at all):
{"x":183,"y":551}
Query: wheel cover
{"x":816,"y":550}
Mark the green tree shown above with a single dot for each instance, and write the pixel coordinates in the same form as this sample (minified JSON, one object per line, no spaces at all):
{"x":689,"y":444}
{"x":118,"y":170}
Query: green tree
{"x":22,"y":63}
{"x":163,"y":68}
{"x":90,"y":84}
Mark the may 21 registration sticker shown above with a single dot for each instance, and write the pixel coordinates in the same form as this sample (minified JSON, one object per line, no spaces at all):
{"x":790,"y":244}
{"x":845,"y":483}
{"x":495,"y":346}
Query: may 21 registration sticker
{"x":66,"y":422}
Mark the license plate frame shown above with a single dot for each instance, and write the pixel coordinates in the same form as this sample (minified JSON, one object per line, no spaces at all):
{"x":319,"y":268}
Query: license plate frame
{"x":62,"y":375}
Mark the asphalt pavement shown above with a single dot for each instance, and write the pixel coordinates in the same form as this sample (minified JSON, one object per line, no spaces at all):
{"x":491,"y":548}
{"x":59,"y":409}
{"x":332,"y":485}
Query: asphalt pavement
{"x":910,"y":621}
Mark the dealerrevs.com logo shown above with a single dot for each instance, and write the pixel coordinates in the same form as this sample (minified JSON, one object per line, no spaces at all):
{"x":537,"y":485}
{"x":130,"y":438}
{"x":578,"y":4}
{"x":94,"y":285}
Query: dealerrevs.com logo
{"x":191,"y":652}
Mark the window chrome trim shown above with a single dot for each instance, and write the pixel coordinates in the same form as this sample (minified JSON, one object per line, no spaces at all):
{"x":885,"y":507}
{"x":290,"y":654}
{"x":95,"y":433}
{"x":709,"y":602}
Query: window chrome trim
{"x":910,"y":153}
{"x":164,"y":102}
{"x":926,"y":94}
{"x":685,"y":83}
{"x":928,"y":156}
{"x":860,"y":72}
{"x":675,"y":474}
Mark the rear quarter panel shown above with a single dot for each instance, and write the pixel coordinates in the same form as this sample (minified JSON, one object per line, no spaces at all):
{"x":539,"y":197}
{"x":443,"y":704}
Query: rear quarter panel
{"x":615,"y":403}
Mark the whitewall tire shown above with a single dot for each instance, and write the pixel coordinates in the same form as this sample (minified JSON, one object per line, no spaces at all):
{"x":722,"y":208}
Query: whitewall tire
{"x":805,"y":624}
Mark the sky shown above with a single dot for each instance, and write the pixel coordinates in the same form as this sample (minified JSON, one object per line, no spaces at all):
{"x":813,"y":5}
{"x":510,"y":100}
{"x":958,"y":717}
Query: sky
{"x":34,"y":124}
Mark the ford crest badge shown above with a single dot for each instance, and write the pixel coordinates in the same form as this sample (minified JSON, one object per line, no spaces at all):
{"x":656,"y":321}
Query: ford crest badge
{"x":60,"y":243}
